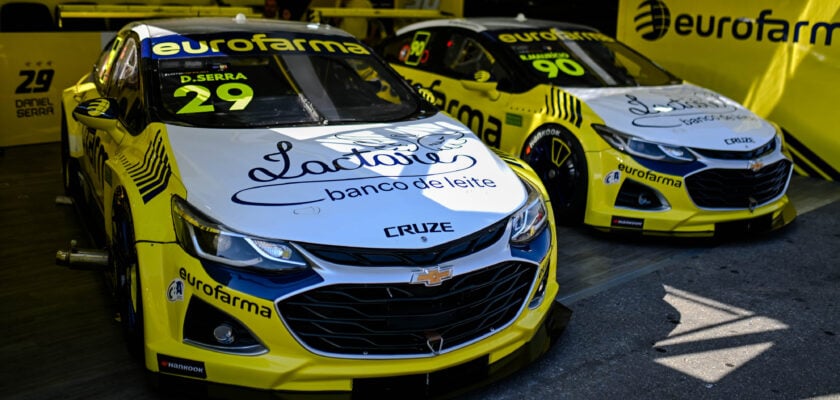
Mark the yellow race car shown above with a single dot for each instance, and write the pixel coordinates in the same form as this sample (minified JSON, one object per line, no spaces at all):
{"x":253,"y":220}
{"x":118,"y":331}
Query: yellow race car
{"x":281,"y":211}
{"x":620,"y":143}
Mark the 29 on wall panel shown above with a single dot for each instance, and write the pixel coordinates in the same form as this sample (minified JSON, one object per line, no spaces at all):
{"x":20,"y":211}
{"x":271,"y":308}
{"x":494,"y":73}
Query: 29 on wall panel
{"x":35,"y":68}
{"x":781,"y":58}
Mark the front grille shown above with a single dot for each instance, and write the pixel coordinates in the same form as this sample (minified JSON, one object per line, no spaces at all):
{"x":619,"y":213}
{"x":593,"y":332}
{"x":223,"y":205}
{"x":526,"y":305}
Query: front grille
{"x":390,"y":257}
{"x":738,"y":188}
{"x":405,"y":319}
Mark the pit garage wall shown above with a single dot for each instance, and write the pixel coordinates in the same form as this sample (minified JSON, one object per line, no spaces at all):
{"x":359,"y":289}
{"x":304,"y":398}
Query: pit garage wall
{"x":34,"y":69}
{"x":780,"y":58}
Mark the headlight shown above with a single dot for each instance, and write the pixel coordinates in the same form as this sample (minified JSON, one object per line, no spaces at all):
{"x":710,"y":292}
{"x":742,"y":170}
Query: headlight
{"x":642,"y":148}
{"x":529,"y":220}
{"x":206,"y":239}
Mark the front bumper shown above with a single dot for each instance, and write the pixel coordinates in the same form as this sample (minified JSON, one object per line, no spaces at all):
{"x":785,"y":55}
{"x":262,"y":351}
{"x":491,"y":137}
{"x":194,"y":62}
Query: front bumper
{"x":435,"y":383}
{"x":678,"y":214}
{"x":287,"y":365}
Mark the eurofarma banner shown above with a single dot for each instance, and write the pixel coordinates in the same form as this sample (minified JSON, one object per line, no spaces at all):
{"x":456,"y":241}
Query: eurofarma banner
{"x":780,"y":58}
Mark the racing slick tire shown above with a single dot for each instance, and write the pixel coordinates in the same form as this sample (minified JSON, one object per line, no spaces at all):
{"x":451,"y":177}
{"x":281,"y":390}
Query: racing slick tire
{"x":127,"y":276}
{"x":559,"y":160}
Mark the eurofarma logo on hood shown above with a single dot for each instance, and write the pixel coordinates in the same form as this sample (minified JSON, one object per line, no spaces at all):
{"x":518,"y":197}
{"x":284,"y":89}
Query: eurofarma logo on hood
{"x":654,"y":20}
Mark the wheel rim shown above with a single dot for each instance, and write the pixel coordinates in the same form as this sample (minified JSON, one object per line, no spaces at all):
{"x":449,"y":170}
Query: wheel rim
{"x":561,"y":179}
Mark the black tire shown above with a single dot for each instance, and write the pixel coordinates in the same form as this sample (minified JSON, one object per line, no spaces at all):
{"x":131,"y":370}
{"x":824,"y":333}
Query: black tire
{"x":69,"y":165}
{"x":127,"y":277}
{"x":559,"y":160}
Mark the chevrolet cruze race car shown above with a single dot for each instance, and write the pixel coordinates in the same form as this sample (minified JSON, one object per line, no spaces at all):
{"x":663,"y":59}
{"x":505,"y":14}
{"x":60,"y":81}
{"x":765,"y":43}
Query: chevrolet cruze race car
{"x":282,"y":211}
{"x":620,"y":143}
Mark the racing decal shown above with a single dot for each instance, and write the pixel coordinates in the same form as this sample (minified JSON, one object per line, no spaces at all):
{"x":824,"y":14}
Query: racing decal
{"x":739,"y":140}
{"x":152,"y":174}
{"x":240,"y":94}
{"x":417,"y":52}
{"x":551,"y":35}
{"x":612,"y":177}
{"x":95,"y":151}
{"x":432,"y":276}
{"x":417,"y":229}
{"x":650,"y":176}
{"x":175,"y":291}
{"x":624,"y":222}
{"x":481,"y":76}
{"x":476,"y":120}
{"x":488,"y":128}
{"x":560,"y":151}
{"x":217,"y":292}
{"x":181,"y":366}
{"x":654,"y":21}
{"x":563,"y":105}
{"x":276,"y":42}
{"x":552,"y":64}
{"x":684,"y":109}
{"x":420,"y":148}
{"x":513,"y":119}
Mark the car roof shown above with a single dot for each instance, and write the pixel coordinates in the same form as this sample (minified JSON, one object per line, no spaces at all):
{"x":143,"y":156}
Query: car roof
{"x":481,"y":24}
{"x":191,"y":26}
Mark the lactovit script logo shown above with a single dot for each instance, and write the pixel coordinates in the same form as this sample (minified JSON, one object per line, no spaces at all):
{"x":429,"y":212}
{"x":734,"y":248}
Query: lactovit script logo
{"x":654,"y":20}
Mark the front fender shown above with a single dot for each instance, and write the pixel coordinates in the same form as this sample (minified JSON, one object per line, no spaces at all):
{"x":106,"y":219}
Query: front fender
{"x":145,"y":169}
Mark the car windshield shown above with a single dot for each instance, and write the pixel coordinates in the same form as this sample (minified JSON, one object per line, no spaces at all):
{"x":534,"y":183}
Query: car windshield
{"x":280,"y":89}
{"x":581,"y":59}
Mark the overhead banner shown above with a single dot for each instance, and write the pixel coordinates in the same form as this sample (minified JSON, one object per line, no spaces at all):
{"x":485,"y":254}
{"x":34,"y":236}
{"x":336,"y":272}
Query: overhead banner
{"x":780,"y":58}
{"x":34,"y":69}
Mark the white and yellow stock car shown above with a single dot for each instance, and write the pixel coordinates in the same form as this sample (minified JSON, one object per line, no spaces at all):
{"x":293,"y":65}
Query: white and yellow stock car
{"x":620,"y":143}
{"x":283,"y":212}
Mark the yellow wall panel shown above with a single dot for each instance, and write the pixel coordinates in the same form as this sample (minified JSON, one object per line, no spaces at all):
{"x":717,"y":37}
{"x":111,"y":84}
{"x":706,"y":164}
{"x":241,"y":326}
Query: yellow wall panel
{"x":781,"y":58}
{"x":34,"y":69}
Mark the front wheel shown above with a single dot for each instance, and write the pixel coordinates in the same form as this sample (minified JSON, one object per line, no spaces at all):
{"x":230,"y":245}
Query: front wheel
{"x":127,"y":276}
{"x":559,"y":160}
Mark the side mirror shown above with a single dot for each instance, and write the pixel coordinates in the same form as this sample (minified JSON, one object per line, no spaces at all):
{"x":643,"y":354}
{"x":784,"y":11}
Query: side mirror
{"x":99,"y":114}
{"x":486,"y":88}
{"x":426,"y":94}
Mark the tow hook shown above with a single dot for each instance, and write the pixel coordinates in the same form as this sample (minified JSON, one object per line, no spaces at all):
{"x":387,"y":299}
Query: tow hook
{"x":84,"y":259}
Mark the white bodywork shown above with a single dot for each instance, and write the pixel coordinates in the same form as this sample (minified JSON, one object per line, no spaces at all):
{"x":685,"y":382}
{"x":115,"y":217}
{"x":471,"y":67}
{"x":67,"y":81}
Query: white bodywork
{"x":345,"y":185}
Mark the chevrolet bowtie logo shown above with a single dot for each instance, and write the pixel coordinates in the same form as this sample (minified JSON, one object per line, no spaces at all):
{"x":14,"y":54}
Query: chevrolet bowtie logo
{"x":432,"y":276}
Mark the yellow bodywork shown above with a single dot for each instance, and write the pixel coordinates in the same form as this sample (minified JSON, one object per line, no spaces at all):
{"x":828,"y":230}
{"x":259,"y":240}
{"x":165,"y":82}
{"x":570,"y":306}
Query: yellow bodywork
{"x":287,"y":365}
{"x":506,"y":121}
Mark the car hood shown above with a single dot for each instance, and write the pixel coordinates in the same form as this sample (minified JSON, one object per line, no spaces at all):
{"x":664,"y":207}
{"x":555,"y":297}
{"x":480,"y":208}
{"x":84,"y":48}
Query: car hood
{"x":685,"y":115}
{"x":402,"y":185}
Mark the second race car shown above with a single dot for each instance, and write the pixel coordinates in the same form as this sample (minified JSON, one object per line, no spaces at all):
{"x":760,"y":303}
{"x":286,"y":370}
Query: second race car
{"x":620,"y":143}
